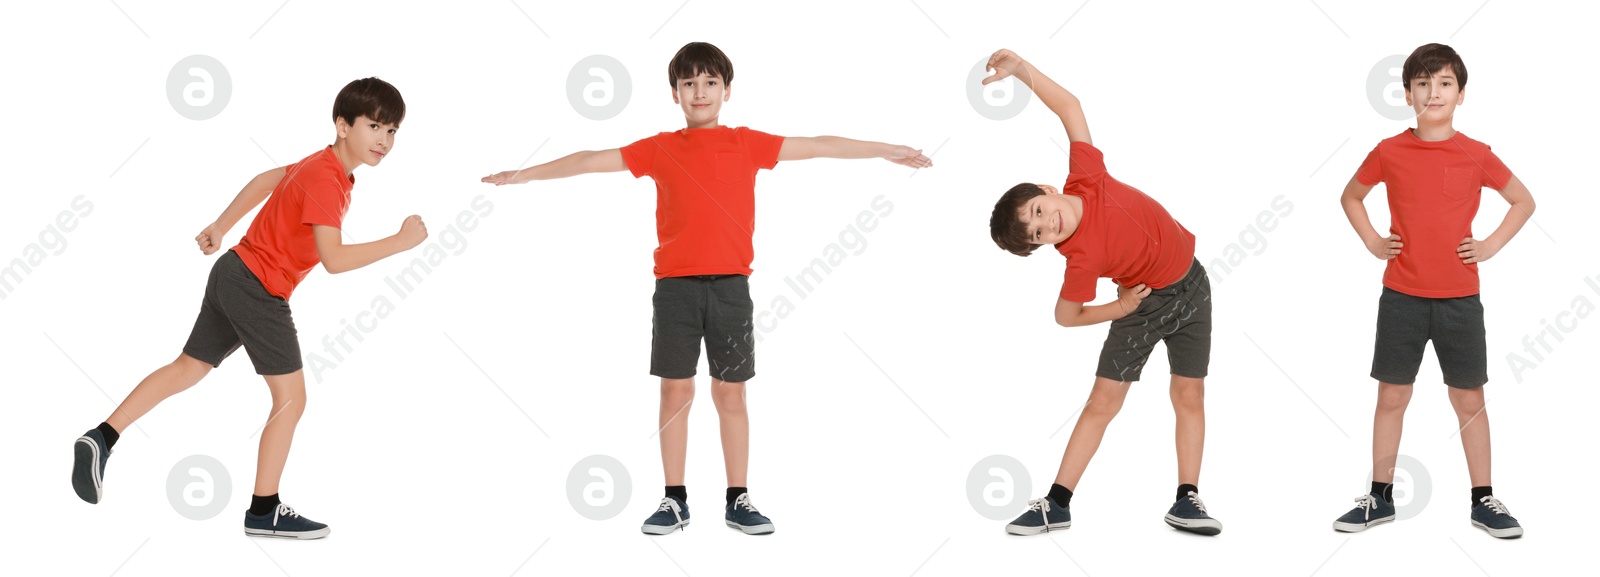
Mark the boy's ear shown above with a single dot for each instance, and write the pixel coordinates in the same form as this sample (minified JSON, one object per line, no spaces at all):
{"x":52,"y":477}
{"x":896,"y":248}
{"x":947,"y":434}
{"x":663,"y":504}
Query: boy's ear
{"x":675,"y":95}
{"x":727,"y":90}
{"x":341,"y":127}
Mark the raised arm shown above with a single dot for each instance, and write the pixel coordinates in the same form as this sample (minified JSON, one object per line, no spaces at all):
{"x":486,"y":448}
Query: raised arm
{"x":1006,"y":64}
{"x":573,"y":164}
{"x":338,"y":257}
{"x":251,"y":196}
{"x":1355,"y":209}
{"x":808,"y":147}
{"x":1471,"y":251}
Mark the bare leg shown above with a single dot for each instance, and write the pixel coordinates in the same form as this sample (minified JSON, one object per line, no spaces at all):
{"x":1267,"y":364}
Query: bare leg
{"x":288,"y":403}
{"x":1104,"y":402}
{"x":1189,"y":405}
{"x":1386,"y":424}
{"x":171,"y":379}
{"x":676,"y":397}
{"x":1473,"y":417}
{"x":735,"y":421}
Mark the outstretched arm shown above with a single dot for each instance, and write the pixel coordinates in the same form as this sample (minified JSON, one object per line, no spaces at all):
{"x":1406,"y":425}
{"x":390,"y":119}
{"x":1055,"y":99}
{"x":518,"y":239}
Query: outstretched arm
{"x":808,"y":147}
{"x":338,"y":257}
{"x":251,"y":196}
{"x":573,"y":164}
{"x":1471,"y":250}
{"x":1006,"y":63}
{"x":1355,"y":209}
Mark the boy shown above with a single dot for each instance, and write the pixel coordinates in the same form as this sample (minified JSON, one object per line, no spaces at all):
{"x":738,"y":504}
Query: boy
{"x":1434,"y":177}
{"x":1108,"y":229}
{"x":705,"y":216}
{"x":247,"y":296}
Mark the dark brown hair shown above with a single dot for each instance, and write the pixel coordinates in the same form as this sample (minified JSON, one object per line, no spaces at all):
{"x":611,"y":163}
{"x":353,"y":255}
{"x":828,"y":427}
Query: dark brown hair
{"x":1430,"y":58}
{"x":1006,"y":226}
{"x":372,"y":98}
{"x":697,"y":57}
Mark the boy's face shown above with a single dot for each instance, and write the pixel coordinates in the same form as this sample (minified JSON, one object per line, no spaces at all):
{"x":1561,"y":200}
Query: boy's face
{"x":368,"y":139}
{"x":1436,"y":97}
{"x":1049,"y":217}
{"x":701,"y":98}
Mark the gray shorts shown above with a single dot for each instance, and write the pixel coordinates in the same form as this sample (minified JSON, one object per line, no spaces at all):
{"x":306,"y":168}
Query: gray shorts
{"x":1455,"y":325}
{"x":1178,"y":314}
{"x":713,"y":308}
{"x":236,"y":311}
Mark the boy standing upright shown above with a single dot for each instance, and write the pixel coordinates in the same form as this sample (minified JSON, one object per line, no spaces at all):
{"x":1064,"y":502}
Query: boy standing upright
{"x":1434,"y":178}
{"x":705,"y":221}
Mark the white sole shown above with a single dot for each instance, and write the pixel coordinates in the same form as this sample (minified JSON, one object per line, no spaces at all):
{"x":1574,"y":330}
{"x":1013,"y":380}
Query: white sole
{"x":752,"y":529}
{"x":1511,"y":533}
{"x":1356,"y":528}
{"x":1021,"y":530}
{"x":94,"y":469}
{"x":1201,"y":526}
{"x":300,"y":535}
{"x":660,"y":530}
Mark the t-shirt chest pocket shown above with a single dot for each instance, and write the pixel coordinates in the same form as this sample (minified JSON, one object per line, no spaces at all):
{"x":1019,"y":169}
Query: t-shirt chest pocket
{"x":1461,"y":183}
{"x":732,"y":167}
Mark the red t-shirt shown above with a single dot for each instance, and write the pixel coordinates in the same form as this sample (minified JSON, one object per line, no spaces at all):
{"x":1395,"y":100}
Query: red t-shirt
{"x":705,"y":195}
{"x":279,"y":247}
{"x":1433,"y":190}
{"x":1124,"y":235}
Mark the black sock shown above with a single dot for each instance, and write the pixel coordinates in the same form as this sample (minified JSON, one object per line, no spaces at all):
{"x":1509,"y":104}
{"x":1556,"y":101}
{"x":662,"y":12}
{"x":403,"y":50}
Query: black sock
{"x":109,"y":433}
{"x":1061,"y":495}
{"x":1184,"y":489}
{"x":1478,"y":493}
{"x":734,"y":492}
{"x":1385,"y":490}
{"x":262,"y":505}
{"x":679,"y":491}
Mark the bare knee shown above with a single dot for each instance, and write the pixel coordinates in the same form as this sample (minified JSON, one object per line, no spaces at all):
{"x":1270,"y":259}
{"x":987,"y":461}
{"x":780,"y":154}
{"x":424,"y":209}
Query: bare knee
{"x":1393,"y":397}
{"x":677,"y":392}
{"x":1468,"y":403}
{"x":1106,"y":399}
{"x":728,"y":397}
{"x":193,"y":367}
{"x":1188,"y":394}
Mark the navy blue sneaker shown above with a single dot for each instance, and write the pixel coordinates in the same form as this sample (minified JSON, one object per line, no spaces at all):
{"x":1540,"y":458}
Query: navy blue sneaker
{"x":670,"y":516}
{"x":283,"y":523}
{"x":1189,"y":514}
{"x":1370,"y":510}
{"x":741,"y":515}
{"x":1493,"y":516}
{"x":1042,"y":515}
{"x":89,"y":456}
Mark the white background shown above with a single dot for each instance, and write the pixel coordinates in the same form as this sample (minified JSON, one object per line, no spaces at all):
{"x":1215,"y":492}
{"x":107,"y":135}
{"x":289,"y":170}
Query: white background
{"x":442,"y":443}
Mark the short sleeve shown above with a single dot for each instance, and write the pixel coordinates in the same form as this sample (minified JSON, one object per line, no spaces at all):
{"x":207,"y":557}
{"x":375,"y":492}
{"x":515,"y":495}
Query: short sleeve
{"x":763,"y":148}
{"x":1085,"y":160}
{"x":1494,"y":173}
{"x":1371,"y":171}
{"x":325,"y":199}
{"x":1077,"y":285}
{"x":639,"y":157}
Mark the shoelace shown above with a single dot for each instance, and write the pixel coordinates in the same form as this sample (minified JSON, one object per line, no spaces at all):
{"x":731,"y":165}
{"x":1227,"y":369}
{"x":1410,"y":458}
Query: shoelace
{"x":744,"y":501}
{"x":1367,"y":503}
{"x":1194,"y":498}
{"x":667,"y":504}
{"x":1042,"y":506}
{"x":1494,"y":505}
{"x":283,"y":511}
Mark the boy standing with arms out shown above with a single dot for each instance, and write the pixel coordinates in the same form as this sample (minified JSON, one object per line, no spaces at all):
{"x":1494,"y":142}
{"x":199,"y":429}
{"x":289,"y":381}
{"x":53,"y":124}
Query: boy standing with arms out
{"x":1107,"y":229}
{"x":1434,"y":177}
{"x":705,"y":219}
{"x":247,"y":296}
